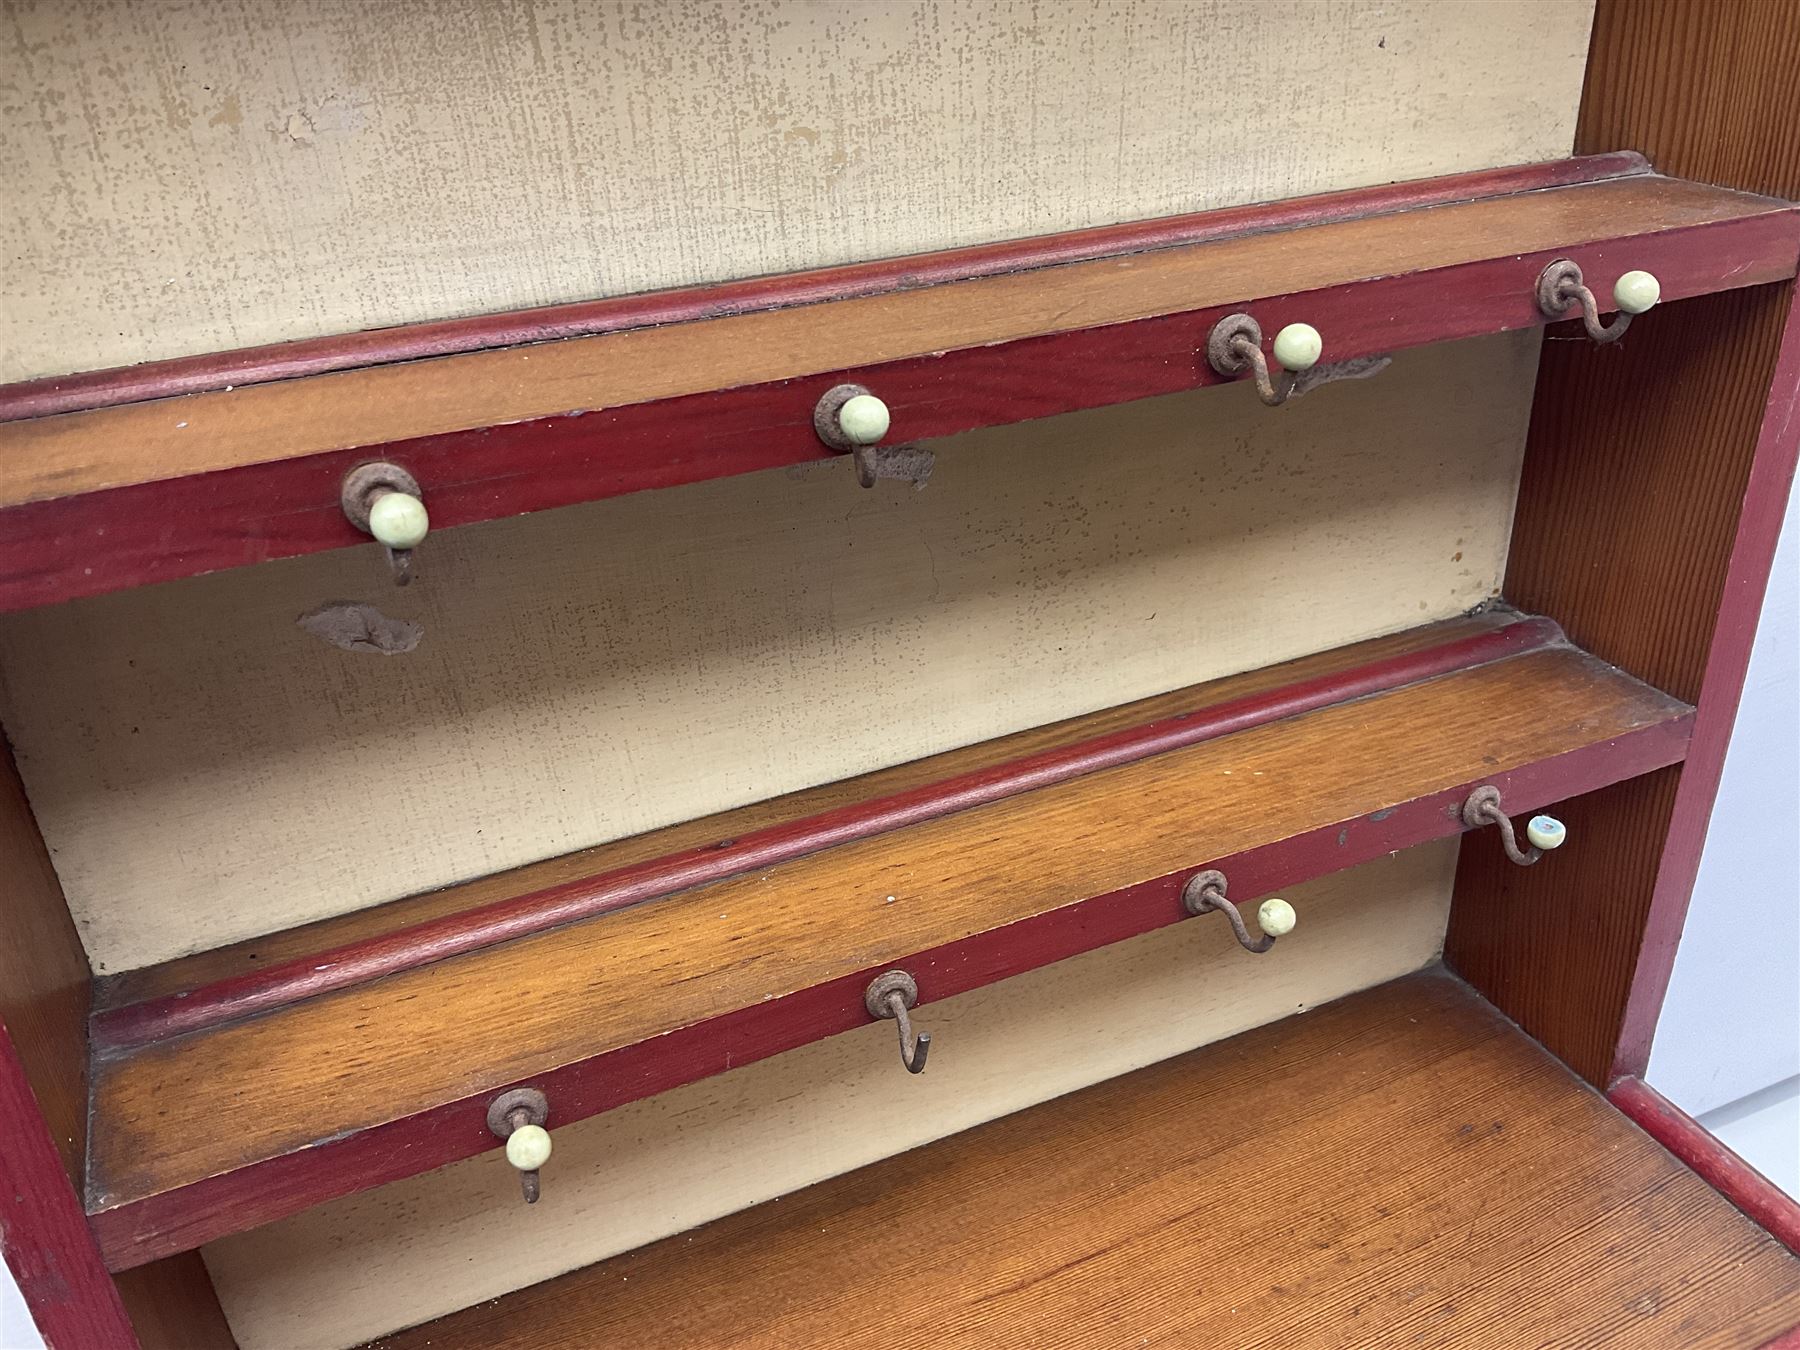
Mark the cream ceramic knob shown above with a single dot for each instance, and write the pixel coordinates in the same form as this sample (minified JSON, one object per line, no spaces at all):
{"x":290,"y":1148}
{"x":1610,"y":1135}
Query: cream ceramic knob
{"x":863,"y":419}
{"x":398,"y":520}
{"x":1275,"y":917}
{"x":1297,"y":347}
{"x":528,"y":1147}
{"x":1546,"y":832}
{"x":1636,"y":292}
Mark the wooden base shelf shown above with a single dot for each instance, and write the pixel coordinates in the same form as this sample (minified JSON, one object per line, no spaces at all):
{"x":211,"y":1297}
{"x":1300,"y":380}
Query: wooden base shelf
{"x":1002,"y":861}
{"x":1401,"y":1167}
{"x":128,"y":477}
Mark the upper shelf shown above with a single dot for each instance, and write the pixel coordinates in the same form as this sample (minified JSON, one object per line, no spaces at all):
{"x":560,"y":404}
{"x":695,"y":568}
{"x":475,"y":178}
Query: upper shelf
{"x":128,"y":477}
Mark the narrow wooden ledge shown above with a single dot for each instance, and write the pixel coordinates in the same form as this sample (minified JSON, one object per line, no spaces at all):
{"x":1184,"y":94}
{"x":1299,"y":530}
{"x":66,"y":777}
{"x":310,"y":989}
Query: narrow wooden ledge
{"x":1403,"y":1162}
{"x":670,"y":389}
{"x":390,"y":1077}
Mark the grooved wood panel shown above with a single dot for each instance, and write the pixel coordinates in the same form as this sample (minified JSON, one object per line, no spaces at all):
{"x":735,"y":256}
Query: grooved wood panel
{"x":1402,"y":1167}
{"x":367,"y":1055}
{"x":43,"y":976}
{"x":1638,"y":576}
{"x":205,"y":772}
{"x":259,"y":171}
{"x":363,"y":1265}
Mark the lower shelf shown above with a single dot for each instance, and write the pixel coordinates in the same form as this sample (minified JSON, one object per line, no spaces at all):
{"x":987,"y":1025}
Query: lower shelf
{"x":1401,"y":1167}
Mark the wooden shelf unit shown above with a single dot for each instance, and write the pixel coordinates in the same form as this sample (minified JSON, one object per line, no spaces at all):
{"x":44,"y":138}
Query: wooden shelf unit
{"x":337,"y":1091}
{"x":364,"y":1049}
{"x":1402,"y":1166}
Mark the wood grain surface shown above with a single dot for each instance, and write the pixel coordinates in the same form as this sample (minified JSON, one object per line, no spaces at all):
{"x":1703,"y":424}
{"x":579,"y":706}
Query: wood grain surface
{"x":361,"y":1057}
{"x":1635,"y":530}
{"x":1403,"y":1166}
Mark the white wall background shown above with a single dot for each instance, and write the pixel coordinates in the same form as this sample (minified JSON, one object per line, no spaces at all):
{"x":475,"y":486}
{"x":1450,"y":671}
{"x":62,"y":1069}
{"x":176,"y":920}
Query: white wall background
{"x":1728,"y":1045}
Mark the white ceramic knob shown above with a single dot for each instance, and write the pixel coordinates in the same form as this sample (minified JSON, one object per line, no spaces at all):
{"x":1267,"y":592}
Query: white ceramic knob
{"x":1275,"y":917}
{"x":528,"y":1147}
{"x":398,"y":520}
{"x":1297,"y":346}
{"x":1635,"y":292}
{"x":1546,"y":832}
{"x":863,"y":419}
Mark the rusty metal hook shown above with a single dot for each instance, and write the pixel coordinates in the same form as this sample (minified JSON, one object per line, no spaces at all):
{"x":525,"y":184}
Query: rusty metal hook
{"x":1235,"y":346}
{"x":890,"y":995}
{"x":384,"y":500}
{"x":1541,"y":832}
{"x":518,"y":1117}
{"x":1561,"y":286}
{"x":1206,"y":891}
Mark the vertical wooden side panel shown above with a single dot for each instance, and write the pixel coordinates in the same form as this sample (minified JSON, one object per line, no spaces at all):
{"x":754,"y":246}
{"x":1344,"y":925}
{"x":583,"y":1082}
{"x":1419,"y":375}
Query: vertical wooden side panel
{"x":173,"y":1306}
{"x":1654,"y":480}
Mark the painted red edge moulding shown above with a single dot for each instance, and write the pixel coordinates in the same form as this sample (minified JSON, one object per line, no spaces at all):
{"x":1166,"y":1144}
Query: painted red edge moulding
{"x":1762,"y":1202}
{"x":411,"y":342}
{"x":134,"y":535}
{"x":162,"y":1224}
{"x":337,"y":968}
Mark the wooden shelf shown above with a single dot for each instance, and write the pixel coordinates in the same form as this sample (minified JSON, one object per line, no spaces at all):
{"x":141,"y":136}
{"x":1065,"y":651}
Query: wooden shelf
{"x":1403,"y":1166}
{"x":391,"y":1076}
{"x":517,"y":413}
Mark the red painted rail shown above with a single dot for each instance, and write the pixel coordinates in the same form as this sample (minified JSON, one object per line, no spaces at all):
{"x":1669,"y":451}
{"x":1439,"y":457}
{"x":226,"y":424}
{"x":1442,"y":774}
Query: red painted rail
{"x":1761,"y":1200}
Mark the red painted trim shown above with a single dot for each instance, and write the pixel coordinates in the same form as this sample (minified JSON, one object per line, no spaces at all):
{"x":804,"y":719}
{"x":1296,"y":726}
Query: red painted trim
{"x":95,"y":542}
{"x":1722,"y":686}
{"x":1761,"y":1200}
{"x":452,"y":935}
{"x":1787,"y":1340}
{"x":44,"y":1232}
{"x":316,"y":356}
{"x":232,"y":1202}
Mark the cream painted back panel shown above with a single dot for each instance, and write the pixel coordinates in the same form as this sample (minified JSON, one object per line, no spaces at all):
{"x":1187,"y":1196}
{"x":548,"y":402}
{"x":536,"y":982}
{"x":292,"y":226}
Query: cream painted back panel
{"x":414,"y":1250}
{"x":195,"y":177}
{"x":204,"y":771}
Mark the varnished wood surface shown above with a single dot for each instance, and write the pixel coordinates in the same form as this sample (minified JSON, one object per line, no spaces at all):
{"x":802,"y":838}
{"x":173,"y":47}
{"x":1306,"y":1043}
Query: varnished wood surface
{"x":43,"y":974}
{"x":364,"y":1056}
{"x":1634,"y":482}
{"x":173,"y":1307}
{"x":67,"y":454}
{"x":1402,"y":1167}
{"x":314,"y":944}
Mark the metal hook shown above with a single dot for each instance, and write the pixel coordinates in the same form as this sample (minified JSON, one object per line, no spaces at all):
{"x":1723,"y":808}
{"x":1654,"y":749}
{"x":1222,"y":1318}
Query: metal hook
{"x":401,"y":525}
{"x":518,"y":1117}
{"x":1235,"y":345}
{"x":889,"y":995}
{"x":1560,"y":286}
{"x":850,"y":419}
{"x":1541,"y":832}
{"x":1206,"y":891}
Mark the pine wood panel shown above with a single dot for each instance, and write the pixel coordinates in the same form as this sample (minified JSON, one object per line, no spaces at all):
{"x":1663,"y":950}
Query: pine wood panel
{"x":386,"y":1258}
{"x":47,"y":457}
{"x":1401,"y":1166}
{"x":354,"y":1059}
{"x":43,"y":974}
{"x":1630,"y":522}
